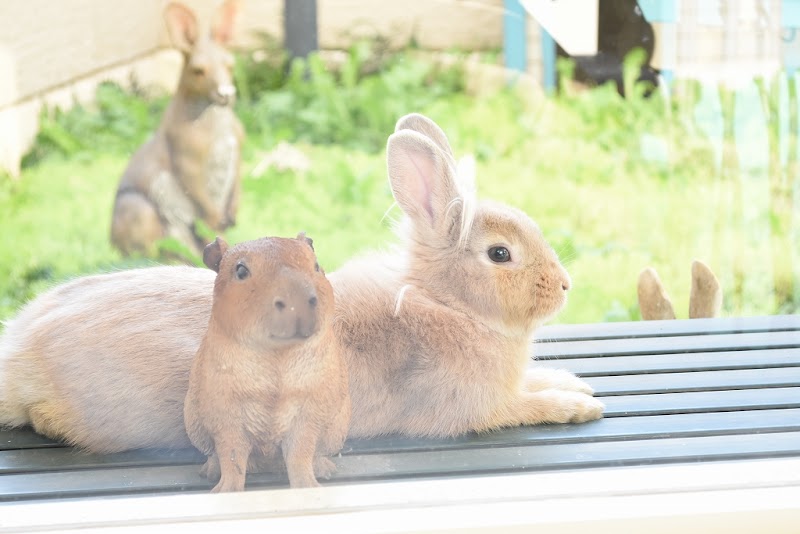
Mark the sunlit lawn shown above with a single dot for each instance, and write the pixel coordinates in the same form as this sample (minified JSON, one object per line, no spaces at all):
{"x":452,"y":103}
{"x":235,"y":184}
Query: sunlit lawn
{"x":607,"y":209}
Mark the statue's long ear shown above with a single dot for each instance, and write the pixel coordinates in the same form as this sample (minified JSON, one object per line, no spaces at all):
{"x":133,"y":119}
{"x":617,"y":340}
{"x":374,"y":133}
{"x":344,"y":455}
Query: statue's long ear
{"x":225,"y":21}
{"x":212,"y":254}
{"x":182,"y":26}
{"x":705,"y":299}
{"x":654,"y":303}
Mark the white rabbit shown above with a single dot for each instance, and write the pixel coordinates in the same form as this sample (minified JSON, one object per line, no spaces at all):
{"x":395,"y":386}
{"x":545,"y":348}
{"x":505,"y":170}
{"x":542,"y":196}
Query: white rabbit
{"x":438,"y":336}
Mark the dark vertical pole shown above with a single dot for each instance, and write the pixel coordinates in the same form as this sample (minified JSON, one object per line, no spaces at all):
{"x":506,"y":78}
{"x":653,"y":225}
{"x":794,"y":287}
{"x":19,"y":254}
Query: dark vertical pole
{"x":300,"y":27}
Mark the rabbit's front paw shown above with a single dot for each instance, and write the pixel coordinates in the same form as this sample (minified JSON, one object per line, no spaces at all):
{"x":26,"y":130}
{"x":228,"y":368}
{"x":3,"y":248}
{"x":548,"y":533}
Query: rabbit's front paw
{"x":586,"y":408}
{"x":550,"y":406}
{"x":541,"y":378}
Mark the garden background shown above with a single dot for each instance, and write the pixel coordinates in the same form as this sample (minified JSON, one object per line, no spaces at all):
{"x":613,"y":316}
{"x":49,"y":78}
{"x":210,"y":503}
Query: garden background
{"x":698,"y":171}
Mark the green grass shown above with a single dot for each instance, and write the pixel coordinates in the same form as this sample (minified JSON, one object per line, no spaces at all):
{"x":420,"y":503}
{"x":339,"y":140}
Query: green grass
{"x":575,"y":163}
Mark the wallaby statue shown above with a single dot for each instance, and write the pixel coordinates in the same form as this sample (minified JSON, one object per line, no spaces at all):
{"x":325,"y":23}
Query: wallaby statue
{"x":189,"y":169}
{"x":705,"y":299}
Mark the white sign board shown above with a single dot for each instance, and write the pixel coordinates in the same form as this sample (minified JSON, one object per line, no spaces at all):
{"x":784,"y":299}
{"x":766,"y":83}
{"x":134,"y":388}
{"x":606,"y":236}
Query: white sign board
{"x":571,"y":23}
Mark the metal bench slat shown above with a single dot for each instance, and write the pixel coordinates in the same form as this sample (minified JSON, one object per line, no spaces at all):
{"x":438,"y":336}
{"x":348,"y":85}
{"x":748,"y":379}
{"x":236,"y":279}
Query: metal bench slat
{"x":594,"y":348}
{"x":66,"y":458}
{"x":584,"y":454}
{"x":98,"y":482}
{"x":702,"y":401}
{"x":668,"y":363}
{"x":612,"y":429}
{"x":24,"y":438}
{"x":428,"y":464}
{"x":643,"y":329}
{"x":695,"y":381}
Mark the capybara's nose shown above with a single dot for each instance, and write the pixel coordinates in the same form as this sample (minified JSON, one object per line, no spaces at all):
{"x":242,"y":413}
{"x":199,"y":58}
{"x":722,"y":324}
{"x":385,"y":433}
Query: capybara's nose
{"x":295,"y":313}
{"x":307,"y":322}
{"x":306,"y":326}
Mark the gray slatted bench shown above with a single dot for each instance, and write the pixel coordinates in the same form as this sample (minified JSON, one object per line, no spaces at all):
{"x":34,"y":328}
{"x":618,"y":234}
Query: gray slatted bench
{"x":683,"y":399}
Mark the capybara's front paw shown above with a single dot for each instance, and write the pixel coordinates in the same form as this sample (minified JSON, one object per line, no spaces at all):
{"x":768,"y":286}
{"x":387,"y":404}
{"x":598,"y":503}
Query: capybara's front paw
{"x":323,"y":467}
{"x":210,"y":469}
{"x":228,"y":484}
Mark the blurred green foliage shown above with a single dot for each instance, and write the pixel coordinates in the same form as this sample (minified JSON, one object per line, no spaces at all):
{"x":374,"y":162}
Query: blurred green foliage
{"x":616,"y":184}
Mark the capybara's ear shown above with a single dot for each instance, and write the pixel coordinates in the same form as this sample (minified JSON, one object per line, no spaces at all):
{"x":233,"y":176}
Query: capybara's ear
{"x":212,"y":254}
{"x":303,"y":237}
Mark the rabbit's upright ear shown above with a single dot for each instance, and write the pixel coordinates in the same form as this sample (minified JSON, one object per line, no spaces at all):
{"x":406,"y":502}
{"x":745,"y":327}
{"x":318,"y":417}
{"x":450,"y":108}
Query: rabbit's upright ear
{"x":428,"y":128}
{"x":422,"y":178}
{"x":705,"y":300}
{"x":182,"y":26}
{"x":654,"y":303}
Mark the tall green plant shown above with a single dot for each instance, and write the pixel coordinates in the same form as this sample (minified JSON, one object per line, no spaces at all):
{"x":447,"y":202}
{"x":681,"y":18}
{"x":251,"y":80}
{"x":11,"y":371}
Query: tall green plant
{"x":781,"y":179}
{"x":118,"y":121}
{"x":355,"y":105}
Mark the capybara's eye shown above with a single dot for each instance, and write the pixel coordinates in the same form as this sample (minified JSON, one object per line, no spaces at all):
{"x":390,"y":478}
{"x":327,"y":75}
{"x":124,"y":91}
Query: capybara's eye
{"x":316,"y":266}
{"x":499,"y":254}
{"x":242,"y":271}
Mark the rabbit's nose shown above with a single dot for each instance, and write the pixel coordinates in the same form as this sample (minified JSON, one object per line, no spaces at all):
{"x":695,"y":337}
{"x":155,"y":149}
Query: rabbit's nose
{"x":566,"y":283}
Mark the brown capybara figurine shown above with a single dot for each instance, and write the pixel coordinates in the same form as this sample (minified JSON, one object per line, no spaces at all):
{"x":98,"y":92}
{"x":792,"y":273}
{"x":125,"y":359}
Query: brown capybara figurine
{"x":268,"y":379}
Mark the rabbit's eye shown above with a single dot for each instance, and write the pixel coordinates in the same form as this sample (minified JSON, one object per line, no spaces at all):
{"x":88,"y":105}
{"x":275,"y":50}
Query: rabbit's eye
{"x":242,"y":271}
{"x":198,"y":71}
{"x":499,"y":254}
